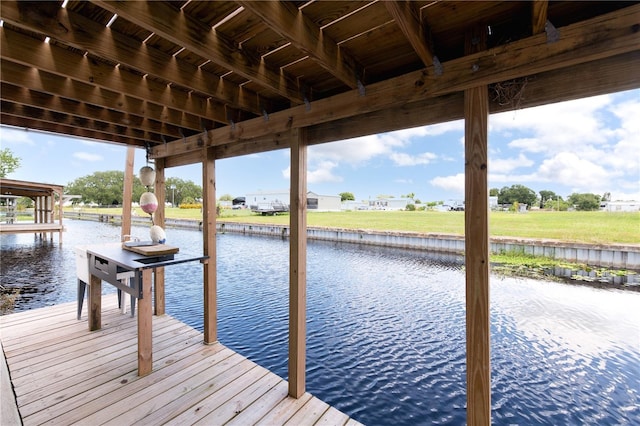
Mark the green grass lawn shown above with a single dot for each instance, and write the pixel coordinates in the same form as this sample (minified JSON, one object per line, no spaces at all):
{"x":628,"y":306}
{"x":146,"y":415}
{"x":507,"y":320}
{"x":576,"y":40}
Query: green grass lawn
{"x":589,"y":227}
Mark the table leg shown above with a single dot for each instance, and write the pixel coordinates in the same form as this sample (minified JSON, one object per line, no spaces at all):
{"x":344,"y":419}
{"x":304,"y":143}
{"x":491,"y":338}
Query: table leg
{"x":158,"y":283}
{"x":94,"y":303}
{"x":145,"y":313}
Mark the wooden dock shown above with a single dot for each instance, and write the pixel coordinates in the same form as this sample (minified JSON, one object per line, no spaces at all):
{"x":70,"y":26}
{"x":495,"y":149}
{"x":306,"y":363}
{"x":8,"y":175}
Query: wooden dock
{"x":62,"y":374}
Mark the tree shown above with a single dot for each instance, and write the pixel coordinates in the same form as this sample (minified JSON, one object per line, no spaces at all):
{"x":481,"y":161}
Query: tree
{"x":179,"y":189}
{"x":9,"y":163}
{"x":545,"y":196}
{"x":226,"y":197}
{"x":103,"y":188}
{"x":585,"y":201}
{"x":347,"y":196}
{"x":493,"y":192}
{"x":517,"y":193}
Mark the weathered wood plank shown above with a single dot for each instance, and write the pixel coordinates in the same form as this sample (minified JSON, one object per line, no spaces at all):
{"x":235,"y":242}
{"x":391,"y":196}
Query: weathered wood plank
{"x":74,"y":393}
{"x":297,"y":264}
{"x":284,"y":410}
{"x":477,"y":246}
{"x":85,"y":379}
{"x":309,"y":414}
{"x":262,"y":406}
{"x":259,"y":383}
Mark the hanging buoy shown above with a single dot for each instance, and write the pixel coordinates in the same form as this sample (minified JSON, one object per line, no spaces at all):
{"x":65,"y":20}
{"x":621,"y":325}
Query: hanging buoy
{"x":147,"y":176}
{"x":148,"y":202}
{"x":157,"y":234}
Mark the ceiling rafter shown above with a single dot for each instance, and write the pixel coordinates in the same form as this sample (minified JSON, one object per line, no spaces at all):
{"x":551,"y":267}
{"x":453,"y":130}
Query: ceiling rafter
{"x":22,"y":76}
{"x":30,"y":52}
{"x":87,"y":35}
{"x":80,"y":132}
{"x":590,"y":40}
{"x":62,"y":105}
{"x":65,"y":119}
{"x":407,"y":18}
{"x":305,"y":35}
{"x":539,"y":15}
{"x":187,"y":32}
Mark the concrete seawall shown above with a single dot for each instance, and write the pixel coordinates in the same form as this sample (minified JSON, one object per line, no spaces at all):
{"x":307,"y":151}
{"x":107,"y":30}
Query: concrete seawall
{"x":620,"y":256}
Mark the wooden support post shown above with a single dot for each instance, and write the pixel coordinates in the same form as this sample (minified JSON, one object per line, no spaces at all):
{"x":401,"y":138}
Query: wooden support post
{"x":476,"y":112}
{"x":145,"y":343}
{"x":127,"y":193}
{"x":298,"y":264}
{"x":94,"y":302}
{"x":209,"y":246}
{"x":159,"y":219}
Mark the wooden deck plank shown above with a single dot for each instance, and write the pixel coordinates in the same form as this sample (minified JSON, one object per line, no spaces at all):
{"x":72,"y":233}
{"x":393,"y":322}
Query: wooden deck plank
{"x":284,"y":410}
{"x":309,"y":413}
{"x":68,"y":401}
{"x":242,"y":401}
{"x":225,"y":391}
{"x":74,"y":384}
{"x":332,"y":417}
{"x":64,"y":374}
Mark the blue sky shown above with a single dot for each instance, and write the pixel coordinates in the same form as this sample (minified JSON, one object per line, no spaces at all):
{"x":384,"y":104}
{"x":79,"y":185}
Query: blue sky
{"x":588,"y":145}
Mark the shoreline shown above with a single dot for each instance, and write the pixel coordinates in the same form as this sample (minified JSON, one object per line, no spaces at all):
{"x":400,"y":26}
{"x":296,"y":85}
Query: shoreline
{"x":580,"y":263}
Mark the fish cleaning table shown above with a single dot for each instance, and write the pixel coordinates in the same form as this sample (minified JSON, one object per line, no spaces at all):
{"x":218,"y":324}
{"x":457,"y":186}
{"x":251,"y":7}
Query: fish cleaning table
{"x":107,"y":262}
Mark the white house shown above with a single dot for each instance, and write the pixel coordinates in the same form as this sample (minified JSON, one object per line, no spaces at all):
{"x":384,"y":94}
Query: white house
{"x":263,"y":200}
{"x":326,"y":203}
{"x":622,"y":206}
{"x":390,"y":203}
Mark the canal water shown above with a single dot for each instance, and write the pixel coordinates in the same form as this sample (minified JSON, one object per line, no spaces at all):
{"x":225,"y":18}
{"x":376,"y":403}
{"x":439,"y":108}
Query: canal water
{"x":386,"y":327}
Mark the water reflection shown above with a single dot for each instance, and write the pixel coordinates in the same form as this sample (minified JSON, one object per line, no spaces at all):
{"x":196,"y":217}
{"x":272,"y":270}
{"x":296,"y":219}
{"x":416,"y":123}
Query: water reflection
{"x":386,"y":335}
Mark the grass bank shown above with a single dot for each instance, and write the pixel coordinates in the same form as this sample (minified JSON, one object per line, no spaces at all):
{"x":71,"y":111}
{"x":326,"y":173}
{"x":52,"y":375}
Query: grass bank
{"x":585,"y":227}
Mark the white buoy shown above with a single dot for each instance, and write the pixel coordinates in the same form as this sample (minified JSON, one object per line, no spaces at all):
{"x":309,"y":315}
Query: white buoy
{"x":148,"y":202}
{"x":147,"y":176}
{"x":157,"y":234}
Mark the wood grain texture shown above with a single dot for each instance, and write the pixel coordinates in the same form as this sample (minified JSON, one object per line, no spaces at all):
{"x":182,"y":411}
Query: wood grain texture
{"x":298,"y":264}
{"x":63,"y":374}
{"x":209,"y":245}
{"x":477,"y":247}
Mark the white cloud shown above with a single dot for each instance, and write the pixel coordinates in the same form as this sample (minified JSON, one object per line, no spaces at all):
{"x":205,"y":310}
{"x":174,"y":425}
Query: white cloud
{"x":568,"y":126}
{"x":14,"y":137}
{"x":568,"y":169}
{"x":87,"y":156}
{"x":404,"y":159}
{"x":322,"y":172}
{"x":453,"y":183}
{"x":506,"y":165}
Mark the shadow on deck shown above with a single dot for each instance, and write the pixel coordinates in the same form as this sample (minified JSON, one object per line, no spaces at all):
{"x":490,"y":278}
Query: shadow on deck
{"x":61,"y":374}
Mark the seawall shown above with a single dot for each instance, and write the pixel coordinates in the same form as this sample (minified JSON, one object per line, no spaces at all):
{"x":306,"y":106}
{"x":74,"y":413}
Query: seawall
{"x":620,"y":256}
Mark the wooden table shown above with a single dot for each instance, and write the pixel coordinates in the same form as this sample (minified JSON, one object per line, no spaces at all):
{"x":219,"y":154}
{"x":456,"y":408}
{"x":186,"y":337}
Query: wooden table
{"x":106,"y":261}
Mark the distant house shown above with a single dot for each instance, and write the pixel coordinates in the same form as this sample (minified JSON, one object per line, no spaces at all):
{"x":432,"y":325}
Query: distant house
{"x":354,"y":205}
{"x":621,"y":206}
{"x":327,"y":203}
{"x":265,"y":200}
{"x":390,"y":203}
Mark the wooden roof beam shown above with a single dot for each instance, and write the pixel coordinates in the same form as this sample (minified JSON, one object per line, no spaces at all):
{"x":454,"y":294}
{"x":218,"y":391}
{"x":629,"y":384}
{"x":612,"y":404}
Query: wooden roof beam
{"x":28,"y":51}
{"x":408,"y":20}
{"x":75,"y":30}
{"x":288,"y":21}
{"x":538,"y":16}
{"x":598,"y":38}
{"x":65,"y":119}
{"x":29,"y":123}
{"x":191,"y":34}
{"x":22,"y":76}
{"x":57,"y":104}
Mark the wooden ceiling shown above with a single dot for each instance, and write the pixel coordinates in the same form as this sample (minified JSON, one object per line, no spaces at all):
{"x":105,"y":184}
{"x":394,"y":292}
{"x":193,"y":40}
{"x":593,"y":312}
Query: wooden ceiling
{"x":174,"y":76}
